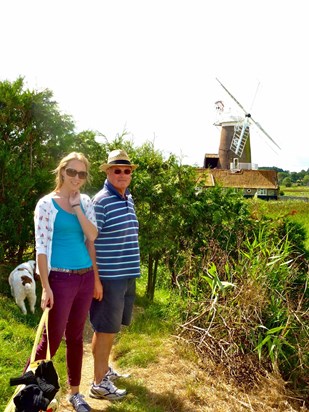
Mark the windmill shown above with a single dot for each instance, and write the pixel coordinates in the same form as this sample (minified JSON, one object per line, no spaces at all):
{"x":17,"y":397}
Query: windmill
{"x":235,"y":145}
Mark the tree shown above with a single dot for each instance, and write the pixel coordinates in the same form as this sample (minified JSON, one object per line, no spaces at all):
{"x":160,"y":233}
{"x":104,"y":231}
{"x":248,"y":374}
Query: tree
{"x":177,"y":215}
{"x":282,"y":176}
{"x":287,"y":182}
{"x":86,"y":142}
{"x":33,"y":136}
{"x":306,"y":180}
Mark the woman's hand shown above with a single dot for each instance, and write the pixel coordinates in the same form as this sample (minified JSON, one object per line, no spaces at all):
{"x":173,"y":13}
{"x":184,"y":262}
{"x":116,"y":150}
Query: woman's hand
{"x":47,"y":299}
{"x":74,"y":198}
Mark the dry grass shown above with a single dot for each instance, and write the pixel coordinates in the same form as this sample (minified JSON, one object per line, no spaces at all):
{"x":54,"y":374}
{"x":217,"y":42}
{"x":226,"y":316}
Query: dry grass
{"x":178,"y":382}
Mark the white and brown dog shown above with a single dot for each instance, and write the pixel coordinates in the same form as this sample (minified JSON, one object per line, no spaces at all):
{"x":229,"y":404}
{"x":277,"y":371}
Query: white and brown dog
{"x":22,"y":282}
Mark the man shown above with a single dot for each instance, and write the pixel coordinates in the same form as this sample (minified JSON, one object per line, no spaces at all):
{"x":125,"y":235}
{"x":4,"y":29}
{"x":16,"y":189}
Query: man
{"x":116,"y":259}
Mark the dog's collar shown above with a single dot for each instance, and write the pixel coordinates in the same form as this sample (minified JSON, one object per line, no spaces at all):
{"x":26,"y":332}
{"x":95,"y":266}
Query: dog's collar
{"x":30,"y":273}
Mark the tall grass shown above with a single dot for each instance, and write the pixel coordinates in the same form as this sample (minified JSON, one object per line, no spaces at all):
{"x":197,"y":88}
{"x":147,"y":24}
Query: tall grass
{"x":249,"y":312}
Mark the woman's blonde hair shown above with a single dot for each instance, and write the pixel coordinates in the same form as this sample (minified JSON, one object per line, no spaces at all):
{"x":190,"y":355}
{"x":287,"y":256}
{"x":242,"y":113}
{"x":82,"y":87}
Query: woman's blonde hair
{"x":63,"y":164}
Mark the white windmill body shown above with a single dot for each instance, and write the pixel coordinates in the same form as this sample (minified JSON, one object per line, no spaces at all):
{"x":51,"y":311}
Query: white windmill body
{"x":235,"y":148}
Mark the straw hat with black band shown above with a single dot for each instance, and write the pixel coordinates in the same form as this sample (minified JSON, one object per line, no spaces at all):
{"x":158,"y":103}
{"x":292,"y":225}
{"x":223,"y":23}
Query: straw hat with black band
{"x":117,"y":158}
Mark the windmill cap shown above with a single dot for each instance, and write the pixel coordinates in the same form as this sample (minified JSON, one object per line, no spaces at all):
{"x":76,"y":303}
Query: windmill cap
{"x":117,"y":157}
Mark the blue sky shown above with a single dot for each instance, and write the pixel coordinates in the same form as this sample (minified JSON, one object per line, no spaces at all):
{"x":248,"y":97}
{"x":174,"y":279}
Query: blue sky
{"x":150,"y":67}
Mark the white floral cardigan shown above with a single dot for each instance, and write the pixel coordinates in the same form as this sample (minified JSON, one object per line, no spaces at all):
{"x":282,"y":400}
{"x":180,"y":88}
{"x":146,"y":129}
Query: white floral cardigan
{"x":44,"y":218}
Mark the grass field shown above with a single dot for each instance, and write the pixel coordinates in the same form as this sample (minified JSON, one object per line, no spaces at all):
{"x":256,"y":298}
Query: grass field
{"x":294,"y":209}
{"x":299,"y":191}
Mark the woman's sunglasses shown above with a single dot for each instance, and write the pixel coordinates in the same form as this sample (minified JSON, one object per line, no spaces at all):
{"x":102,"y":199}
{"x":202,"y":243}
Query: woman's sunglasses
{"x":72,"y":173}
{"x":125,"y":171}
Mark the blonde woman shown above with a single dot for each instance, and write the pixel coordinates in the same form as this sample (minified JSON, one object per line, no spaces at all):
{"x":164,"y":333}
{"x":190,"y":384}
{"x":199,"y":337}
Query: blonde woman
{"x":64,"y":223}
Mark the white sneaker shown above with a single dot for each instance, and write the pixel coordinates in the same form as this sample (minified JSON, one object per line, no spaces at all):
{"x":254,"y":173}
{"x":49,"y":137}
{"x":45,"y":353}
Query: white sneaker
{"x":79,"y":403}
{"x":112,"y":375}
{"x":106,"y":390}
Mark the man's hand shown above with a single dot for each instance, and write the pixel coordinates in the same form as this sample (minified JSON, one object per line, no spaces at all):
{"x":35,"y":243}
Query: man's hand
{"x":98,"y":289}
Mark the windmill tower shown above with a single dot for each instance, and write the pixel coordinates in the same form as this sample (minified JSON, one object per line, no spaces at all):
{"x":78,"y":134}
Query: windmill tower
{"x":235,"y":148}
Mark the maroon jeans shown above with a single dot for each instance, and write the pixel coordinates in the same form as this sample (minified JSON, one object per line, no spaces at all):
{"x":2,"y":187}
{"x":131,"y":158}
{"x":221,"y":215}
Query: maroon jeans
{"x":72,"y":298}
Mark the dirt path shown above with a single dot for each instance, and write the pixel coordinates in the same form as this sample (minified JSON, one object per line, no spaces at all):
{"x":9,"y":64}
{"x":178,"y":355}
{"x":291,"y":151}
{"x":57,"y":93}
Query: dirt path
{"x":175,"y":383}
{"x":97,"y":405}
{"x":87,"y":376}
{"x":165,"y":382}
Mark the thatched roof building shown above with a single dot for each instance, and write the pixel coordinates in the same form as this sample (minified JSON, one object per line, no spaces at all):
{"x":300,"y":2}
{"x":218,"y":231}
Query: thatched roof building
{"x":263,"y":183}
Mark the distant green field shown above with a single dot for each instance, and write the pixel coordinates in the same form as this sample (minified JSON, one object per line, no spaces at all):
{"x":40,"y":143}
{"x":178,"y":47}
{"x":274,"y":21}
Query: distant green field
{"x":302,"y":191}
{"x":296,"y":210}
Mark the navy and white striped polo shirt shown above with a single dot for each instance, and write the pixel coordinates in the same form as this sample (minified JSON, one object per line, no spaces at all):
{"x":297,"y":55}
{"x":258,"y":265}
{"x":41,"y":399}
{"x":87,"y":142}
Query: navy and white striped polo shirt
{"x":117,"y":247}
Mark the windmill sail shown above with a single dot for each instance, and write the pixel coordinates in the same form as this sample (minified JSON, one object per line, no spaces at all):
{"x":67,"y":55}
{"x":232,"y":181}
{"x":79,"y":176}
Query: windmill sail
{"x":240,"y":138}
{"x":266,"y":134}
{"x":230,"y":94}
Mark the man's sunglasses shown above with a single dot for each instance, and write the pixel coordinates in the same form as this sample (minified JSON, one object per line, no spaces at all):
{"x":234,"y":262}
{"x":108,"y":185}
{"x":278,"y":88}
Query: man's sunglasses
{"x":72,"y":173}
{"x":125,"y":171}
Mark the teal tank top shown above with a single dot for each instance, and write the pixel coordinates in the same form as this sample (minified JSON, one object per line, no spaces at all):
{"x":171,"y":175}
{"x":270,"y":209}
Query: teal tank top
{"x":69,"y":250}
